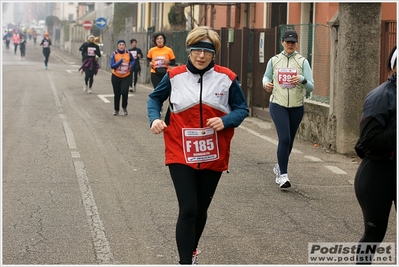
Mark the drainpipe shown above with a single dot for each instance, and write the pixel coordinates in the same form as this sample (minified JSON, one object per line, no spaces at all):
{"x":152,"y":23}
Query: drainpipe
{"x":228,"y":15}
{"x":162,"y":6}
{"x":212,"y":15}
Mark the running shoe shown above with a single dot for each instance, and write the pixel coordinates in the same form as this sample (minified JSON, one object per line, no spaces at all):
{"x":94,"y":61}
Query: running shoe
{"x":195,"y":256}
{"x":116,"y":112}
{"x":276,"y":170}
{"x":130,"y":89}
{"x":89,"y":92}
{"x":284,"y":181}
{"x":124,"y":111}
{"x":85,"y":88}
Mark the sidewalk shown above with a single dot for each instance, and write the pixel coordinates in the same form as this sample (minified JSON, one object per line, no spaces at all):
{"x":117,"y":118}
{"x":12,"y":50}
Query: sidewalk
{"x":65,"y":57}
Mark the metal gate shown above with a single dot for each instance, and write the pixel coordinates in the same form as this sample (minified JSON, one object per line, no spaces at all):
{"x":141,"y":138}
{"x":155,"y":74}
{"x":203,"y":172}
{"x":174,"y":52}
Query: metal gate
{"x":240,"y":52}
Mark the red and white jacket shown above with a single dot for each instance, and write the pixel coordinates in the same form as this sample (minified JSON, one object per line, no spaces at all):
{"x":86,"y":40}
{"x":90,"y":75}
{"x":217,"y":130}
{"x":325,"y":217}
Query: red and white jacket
{"x":194,"y":100}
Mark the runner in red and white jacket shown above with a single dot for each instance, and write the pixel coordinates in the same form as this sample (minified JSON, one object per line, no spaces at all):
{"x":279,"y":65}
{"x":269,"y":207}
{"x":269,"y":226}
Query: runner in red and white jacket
{"x":206,"y":103}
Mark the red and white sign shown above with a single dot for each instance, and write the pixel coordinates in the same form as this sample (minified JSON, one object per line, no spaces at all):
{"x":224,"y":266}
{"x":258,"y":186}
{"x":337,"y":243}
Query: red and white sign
{"x":87,"y":24}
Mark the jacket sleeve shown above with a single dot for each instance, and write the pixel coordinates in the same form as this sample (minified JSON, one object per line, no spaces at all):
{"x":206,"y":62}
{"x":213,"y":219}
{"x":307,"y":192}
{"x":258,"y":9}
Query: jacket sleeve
{"x":307,"y":73}
{"x":268,"y":75}
{"x":149,"y":56}
{"x":172,"y":58}
{"x":238,"y":105}
{"x":132,"y":60}
{"x":375,"y":140}
{"x":98,"y":52}
{"x":156,"y":99}
{"x":172,"y":62}
{"x":112,"y":63}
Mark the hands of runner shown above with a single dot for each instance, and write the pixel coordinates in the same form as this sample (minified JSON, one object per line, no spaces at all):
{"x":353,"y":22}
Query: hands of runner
{"x":295,"y":79}
{"x":269,"y":87}
{"x":215,"y":123}
{"x":158,"y":126}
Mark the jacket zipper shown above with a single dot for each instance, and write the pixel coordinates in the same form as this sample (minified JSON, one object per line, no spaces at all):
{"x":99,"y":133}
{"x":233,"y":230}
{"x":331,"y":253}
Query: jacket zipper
{"x":200,"y":107}
{"x":288,"y":89}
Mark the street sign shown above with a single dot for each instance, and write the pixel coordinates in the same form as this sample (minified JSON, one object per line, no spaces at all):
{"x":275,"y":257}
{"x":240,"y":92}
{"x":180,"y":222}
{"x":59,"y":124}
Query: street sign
{"x":262,"y":47}
{"x":87,"y":24}
{"x":101,"y":23}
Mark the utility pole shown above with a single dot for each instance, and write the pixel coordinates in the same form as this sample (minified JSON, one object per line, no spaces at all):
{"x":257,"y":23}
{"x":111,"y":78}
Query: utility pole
{"x":357,"y":56}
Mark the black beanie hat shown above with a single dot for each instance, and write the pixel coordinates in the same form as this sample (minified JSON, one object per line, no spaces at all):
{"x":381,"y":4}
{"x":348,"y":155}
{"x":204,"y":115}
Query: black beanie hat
{"x":121,"y":41}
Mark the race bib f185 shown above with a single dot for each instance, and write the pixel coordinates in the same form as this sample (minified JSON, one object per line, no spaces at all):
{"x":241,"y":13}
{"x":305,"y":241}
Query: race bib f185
{"x":200,"y":145}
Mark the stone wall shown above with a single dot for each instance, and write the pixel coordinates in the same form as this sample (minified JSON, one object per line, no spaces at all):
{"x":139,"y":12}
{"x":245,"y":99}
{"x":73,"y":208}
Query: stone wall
{"x":317,"y":126}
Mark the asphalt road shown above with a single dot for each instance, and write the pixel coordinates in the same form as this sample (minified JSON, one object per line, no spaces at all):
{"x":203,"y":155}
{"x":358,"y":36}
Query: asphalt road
{"x":83,"y":187}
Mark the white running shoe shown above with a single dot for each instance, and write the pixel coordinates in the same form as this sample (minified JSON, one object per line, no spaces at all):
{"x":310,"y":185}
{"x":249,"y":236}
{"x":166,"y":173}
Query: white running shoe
{"x":89,"y":91}
{"x":276,"y":170}
{"x":84,"y":88}
{"x":284,"y":181}
{"x":195,"y":256}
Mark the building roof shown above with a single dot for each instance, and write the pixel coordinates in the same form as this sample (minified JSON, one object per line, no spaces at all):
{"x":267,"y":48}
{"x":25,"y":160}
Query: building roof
{"x":89,"y":16}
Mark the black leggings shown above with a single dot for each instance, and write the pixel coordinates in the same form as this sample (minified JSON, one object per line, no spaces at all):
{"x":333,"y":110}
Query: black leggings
{"x":89,"y":76}
{"x":287,"y":121}
{"x":375,"y":188}
{"x":133,"y":77}
{"x":46,"y":54}
{"x":121,"y":88}
{"x":156,"y":79}
{"x":22,"y":51}
{"x":194,"y":190}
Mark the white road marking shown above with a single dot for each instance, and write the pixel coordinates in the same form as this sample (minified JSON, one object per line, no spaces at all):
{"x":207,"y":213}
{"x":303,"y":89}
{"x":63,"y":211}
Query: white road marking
{"x":75,"y":154}
{"x":271,"y":140}
{"x":335,"y":170}
{"x":72,"y":71}
{"x":69,"y":135}
{"x":100,"y":242}
{"x":104,"y":97}
{"x":275,"y":142}
{"x":56,"y":99}
{"x":314,"y":159}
